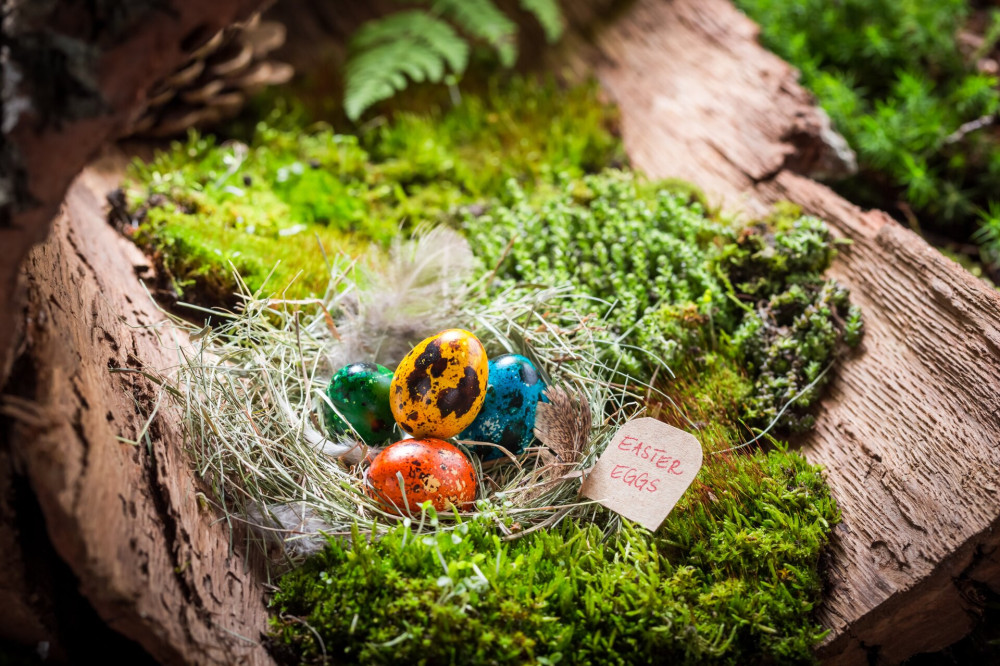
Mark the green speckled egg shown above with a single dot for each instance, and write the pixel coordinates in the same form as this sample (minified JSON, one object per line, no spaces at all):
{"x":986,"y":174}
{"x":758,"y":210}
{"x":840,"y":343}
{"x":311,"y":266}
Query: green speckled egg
{"x":360,"y":392}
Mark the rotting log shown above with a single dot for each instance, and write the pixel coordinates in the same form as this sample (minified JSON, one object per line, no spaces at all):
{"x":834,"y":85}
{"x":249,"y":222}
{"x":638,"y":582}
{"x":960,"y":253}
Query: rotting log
{"x":909,"y":429}
{"x":119,"y":508}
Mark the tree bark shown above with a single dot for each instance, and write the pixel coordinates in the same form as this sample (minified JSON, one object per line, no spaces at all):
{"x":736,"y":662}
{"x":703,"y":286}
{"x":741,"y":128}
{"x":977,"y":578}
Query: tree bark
{"x":104,"y":460}
{"x":909,"y":430}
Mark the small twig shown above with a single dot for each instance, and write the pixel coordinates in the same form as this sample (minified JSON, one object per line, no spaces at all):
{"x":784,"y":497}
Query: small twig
{"x":970,"y":127}
{"x":503,"y":257}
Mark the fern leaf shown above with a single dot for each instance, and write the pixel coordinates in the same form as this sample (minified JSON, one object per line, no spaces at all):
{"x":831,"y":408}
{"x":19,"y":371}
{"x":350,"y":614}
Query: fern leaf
{"x":548,"y":14}
{"x":407,"y":45}
{"x":481,"y":19}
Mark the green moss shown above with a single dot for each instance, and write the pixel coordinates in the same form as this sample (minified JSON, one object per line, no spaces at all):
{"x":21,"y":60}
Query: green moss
{"x":708,"y":400}
{"x":789,"y":338}
{"x":894,"y":79}
{"x":293,"y":191}
{"x":679,"y":284}
{"x":731,"y":577}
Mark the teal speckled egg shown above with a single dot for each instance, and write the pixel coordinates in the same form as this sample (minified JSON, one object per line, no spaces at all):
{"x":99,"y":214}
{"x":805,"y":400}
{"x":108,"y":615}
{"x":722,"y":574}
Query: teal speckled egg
{"x":507,"y":417}
{"x":360,"y":392}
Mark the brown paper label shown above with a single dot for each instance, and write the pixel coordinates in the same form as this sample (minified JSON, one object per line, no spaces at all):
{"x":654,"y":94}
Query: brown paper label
{"x":644,"y":471}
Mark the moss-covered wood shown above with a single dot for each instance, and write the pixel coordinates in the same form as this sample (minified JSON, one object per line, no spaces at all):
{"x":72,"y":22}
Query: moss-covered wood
{"x":741,"y":314}
{"x":297,"y":191}
{"x":909,"y":419}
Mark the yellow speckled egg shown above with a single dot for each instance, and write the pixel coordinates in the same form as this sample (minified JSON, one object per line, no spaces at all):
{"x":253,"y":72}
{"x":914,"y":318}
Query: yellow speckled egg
{"x":439,"y":387}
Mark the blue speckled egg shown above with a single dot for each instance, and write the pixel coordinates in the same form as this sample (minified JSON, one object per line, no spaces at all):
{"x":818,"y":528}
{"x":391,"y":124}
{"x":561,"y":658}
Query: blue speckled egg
{"x":507,"y":417}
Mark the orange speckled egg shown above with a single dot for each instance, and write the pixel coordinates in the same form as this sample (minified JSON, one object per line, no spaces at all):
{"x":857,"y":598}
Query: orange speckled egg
{"x":431,"y":469}
{"x":439,"y":387}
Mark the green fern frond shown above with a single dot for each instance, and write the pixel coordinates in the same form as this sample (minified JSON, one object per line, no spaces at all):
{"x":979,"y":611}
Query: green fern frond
{"x":548,"y":14}
{"x":419,"y":45}
{"x":482,"y":20}
{"x":386,"y":51}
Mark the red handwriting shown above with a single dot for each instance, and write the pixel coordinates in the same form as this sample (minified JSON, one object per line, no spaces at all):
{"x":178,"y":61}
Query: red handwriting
{"x":655,"y":456}
{"x":630,"y":476}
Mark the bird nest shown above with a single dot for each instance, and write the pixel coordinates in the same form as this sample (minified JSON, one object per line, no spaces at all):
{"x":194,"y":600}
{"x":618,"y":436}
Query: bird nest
{"x":251,"y":387}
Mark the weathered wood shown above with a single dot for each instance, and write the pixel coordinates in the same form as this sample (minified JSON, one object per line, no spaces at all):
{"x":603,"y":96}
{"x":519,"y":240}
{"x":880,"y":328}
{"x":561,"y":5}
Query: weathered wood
{"x":909,"y":432}
{"x":154,"y":562}
{"x":81,"y":72}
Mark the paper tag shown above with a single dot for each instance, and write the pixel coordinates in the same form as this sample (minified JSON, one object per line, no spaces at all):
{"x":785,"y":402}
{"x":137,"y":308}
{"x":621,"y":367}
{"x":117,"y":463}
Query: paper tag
{"x":644,"y":471}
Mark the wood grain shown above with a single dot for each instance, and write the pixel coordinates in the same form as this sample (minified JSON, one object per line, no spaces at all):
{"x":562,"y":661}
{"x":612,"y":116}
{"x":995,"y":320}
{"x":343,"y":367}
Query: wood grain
{"x":910,"y":429}
{"x":152,"y":562}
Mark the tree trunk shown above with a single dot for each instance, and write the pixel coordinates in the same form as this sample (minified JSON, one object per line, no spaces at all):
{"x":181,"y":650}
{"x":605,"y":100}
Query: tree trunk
{"x":910,"y":426}
{"x":104,"y":548}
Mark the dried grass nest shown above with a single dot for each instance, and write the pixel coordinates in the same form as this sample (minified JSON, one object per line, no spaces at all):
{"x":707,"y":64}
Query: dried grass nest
{"x":252,"y":383}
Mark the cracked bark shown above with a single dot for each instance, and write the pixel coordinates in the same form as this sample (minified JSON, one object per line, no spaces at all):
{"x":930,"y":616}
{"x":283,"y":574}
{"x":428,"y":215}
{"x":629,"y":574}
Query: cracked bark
{"x":909,"y":429}
{"x":152,"y":565}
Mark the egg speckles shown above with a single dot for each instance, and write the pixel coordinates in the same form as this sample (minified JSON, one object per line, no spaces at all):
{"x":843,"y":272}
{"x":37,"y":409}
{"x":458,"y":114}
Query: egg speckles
{"x":439,"y":387}
{"x":431,"y":470}
{"x":360,"y":392}
{"x":508,"y":414}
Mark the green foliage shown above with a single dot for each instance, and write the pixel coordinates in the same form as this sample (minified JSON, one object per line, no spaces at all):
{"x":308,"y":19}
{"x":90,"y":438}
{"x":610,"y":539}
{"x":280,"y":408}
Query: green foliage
{"x":730,"y":578}
{"x":681,"y":284}
{"x":896,"y":84}
{"x":420,"y":45}
{"x":799,"y":319}
{"x":548,"y":15}
{"x":410,"y":44}
{"x":202,"y":204}
{"x":482,"y":20}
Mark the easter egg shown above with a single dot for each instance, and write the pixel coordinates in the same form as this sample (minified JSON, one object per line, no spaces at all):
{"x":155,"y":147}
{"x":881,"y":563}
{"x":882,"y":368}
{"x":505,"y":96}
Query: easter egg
{"x":508,"y":414}
{"x":439,"y":386}
{"x":360,"y":392}
{"x":431,"y":470}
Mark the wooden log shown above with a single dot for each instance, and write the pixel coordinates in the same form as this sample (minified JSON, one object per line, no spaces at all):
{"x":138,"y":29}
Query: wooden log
{"x":104,"y":459}
{"x":910,"y":429}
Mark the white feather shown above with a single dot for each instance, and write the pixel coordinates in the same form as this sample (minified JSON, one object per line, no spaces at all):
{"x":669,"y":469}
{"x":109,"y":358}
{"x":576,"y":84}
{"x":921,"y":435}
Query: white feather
{"x":413,"y":295}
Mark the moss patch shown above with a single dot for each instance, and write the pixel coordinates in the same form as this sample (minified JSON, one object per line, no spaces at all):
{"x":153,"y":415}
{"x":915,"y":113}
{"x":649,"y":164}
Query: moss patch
{"x":731,"y":577}
{"x":677,"y":283}
{"x":294,"y":189}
